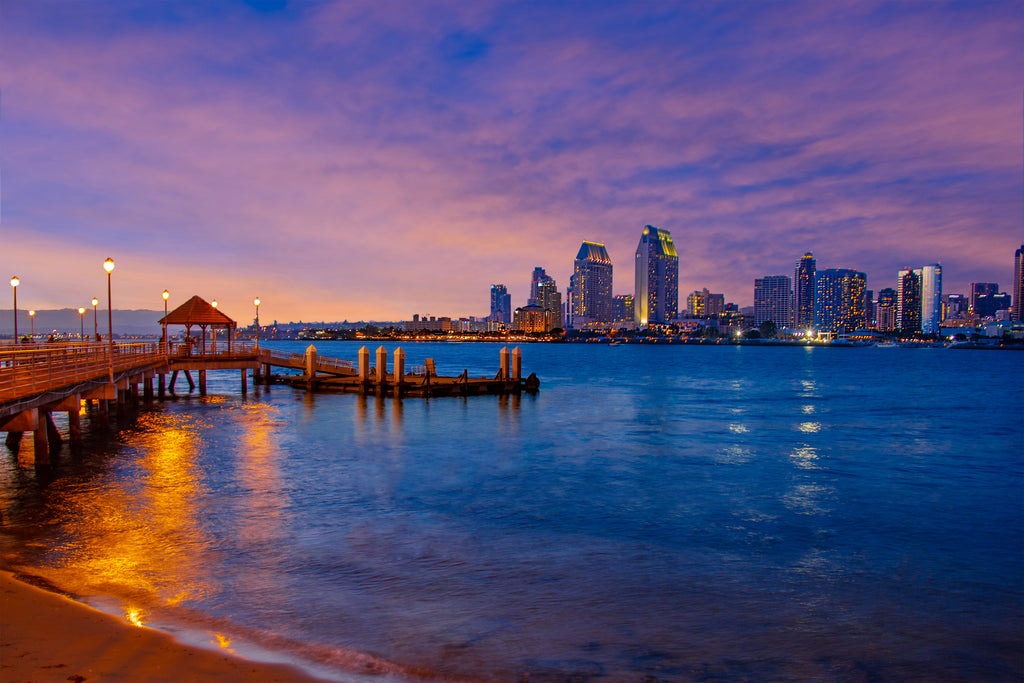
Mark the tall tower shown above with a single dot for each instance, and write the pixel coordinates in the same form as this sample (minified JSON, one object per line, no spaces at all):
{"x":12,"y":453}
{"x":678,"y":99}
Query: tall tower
{"x":773,"y":300}
{"x":931,"y":298}
{"x":549,"y":299}
{"x":539,"y":276}
{"x":839,"y":297}
{"x":1018,"y":284}
{"x":908,"y":300}
{"x":656,"y":293}
{"x":803,"y":291}
{"x":887,"y":320}
{"x":501,"y":304}
{"x":592,"y":285}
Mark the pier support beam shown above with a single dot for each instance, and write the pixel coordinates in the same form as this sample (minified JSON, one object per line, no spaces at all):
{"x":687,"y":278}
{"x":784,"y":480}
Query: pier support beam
{"x":13,"y":440}
{"x":310,"y":370}
{"x":74,"y":428}
{"x":161,"y":388}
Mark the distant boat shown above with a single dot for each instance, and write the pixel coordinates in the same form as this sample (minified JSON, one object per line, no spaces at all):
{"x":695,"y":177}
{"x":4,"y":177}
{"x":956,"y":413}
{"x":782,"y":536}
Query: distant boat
{"x":616,"y":342}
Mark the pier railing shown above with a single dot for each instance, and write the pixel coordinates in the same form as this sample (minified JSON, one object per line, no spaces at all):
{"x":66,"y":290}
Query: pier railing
{"x":27,"y":369}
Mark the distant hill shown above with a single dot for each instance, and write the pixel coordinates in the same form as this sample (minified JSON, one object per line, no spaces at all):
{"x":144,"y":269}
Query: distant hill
{"x":128,"y":322}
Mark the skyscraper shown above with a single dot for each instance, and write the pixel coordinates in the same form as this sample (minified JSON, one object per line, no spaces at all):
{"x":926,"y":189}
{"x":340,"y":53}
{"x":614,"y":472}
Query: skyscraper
{"x":839,"y":300}
{"x":591,"y":285}
{"x":704,"y":304}
{"x":501,"y":304}
{"x":931,"y":298}
{"x":803,"y":291}
{"x":539,"y":276}
{"x":1018,"y":284}
{"x":908,"y":300}
{"x":773,"y":300}
{"x":549,"y":299}
{"x":887,"y":308}
{"x":656,"y":293}
{"x":981,"y":289}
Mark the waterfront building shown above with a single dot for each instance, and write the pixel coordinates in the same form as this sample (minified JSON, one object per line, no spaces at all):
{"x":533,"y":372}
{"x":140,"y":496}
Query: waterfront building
{"x":981,"y":289}
{"x":549,"y":299}
{"x":704,"y":304}
{"x":989,"y":305}
{"x":869,"y":309}
{"x":773,"y":300}
{"x":1018,"y":284}
{"x":839,"y":300}
{"x":908,"y":300}
{"x":531,"y":318}
{"x":886,"y":310}
{"x":803,"y":291}
{"x":656,"y":290}
{"x":622,"y":308}
{"x":538,"y":277}
{"x":931,"y":297}
{"x":954,"y":306}
{"x":429,"y":324}
{"x":591,"y":285}
{"x":501,"y":305}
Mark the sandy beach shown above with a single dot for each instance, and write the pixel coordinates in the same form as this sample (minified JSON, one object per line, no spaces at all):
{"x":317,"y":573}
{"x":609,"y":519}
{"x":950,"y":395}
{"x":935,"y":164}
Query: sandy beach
{"x":47,"y":637}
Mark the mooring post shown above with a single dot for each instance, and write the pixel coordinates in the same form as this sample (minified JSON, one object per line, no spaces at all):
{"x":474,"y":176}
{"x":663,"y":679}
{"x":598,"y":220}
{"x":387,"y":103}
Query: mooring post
{"x":364,"y":364}
{"x":161,"y":387}
{"x":399,"y":370}
{"x":74,"y":428}
{"x":504,"y":363}
{"x":517,"y":364}
{"x":310,"y":364}
{"x":382,"y":365}
{"x":202,"y":382}
{"x":39,"y":438}
{"x":245,"y":384}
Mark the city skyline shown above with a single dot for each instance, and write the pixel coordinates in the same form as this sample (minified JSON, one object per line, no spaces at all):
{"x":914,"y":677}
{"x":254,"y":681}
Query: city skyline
{"x":293,"y":153}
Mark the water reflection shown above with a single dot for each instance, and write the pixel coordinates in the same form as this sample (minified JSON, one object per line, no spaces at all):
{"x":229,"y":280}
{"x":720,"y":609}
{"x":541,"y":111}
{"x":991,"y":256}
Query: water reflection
{"x":809,"y":427}
{"x":805,"y":457}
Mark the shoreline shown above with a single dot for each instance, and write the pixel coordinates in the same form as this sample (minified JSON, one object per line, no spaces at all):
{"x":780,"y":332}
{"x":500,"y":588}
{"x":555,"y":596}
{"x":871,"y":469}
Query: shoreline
{"x":47,"y":636}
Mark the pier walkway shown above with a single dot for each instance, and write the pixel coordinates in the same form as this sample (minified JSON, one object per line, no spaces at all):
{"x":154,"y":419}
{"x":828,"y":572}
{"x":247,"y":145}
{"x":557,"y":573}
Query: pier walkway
{"x":37,"y":380}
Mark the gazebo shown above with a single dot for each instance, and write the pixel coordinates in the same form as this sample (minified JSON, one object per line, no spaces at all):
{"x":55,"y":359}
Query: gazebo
{"x":197,"y":312}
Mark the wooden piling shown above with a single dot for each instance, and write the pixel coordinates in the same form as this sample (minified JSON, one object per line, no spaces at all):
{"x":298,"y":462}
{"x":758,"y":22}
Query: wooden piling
{"x":382,"y":366}
{"x":39,"y":438}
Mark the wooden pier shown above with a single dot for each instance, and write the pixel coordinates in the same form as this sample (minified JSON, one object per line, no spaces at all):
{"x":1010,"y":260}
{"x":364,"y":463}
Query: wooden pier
{"x":37,"y":380}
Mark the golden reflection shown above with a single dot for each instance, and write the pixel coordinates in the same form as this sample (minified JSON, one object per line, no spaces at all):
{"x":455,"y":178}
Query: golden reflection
{"x":738,"y":428}
{"x":805,"y":457}
{"x":259,"y":463}
{"x":222,"y":641}
{"x":808,"y":499}
{"x":808,"y":410}
{"x":134,"y":615}
{"x":809,"y":427}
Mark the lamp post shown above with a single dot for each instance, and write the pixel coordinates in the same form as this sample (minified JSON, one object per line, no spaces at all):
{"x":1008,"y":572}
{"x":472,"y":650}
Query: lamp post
{"x":213,"y":329}
{"x":167,"y":342}
{"x":81,"y":323}
{"x":256,"y":301}
{"x":14,"y":284}
{"x":95,"y":324}
{"x":108,"y":265}
{"x":32,"y":324}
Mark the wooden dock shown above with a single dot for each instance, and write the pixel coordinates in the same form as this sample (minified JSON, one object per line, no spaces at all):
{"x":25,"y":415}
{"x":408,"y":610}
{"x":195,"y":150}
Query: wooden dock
{"x":37,"y":380}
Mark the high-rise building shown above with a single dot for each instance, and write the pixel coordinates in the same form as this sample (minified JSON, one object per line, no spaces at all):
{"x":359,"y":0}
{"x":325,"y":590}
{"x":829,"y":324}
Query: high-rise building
{"x":501,"y":305}
{"x":773,"y":300}
{"x":656,"y":292}
{"x":622,"y":308}
{"x":538,"y":277}
{"x":591,"y":285}
{"x":886,"y":310}
{"x":954,"y":306}
{"x":981,"y":289}
{"x":839,"y":300}
{"x":549,"y":299}
{"x":931,"y":297}
{"x":803,"y":291}
{"x":869,"y":308}
{"x":1018,"y":284}
{"x":908,"y":300}
{"x":988,"y":305}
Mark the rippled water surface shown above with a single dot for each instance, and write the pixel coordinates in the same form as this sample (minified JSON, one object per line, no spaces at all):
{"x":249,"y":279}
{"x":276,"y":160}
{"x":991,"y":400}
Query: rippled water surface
{"x":655,"y":513}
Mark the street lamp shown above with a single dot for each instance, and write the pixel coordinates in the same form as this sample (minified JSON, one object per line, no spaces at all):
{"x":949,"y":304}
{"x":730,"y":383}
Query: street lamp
{"x":32,"y":324}
{"x":14,"y":283}
{"x":81,"y":321}
{"x":95,"y":325}
{"x":257,"y":302}
{"x":108,"y":265}
{"x":166,"y":295}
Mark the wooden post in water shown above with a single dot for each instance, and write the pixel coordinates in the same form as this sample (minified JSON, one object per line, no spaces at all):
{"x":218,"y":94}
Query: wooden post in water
{"x":39,"y":438}
{"x":202,"y":382}
{"x":399,"y":371}
{"x":364,"y":364}
{"x":382,"y":366}
{"x":245,"y":383}
{"x":161,"y":387}
{"x":310,"y":371}
{"x":517,"y":364}
{"x":504,"y":363}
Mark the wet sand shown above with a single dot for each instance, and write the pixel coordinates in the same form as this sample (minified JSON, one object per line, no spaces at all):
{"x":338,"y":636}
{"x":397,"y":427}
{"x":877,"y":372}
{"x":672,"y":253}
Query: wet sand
{"x":48,"y":637}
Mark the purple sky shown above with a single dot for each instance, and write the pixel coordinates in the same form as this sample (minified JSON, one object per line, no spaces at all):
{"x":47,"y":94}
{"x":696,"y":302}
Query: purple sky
{"x":371,"y":160}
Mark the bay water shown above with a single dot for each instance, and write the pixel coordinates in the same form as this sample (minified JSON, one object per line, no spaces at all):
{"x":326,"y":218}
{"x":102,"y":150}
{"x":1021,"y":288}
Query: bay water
{"x":654,"y":513}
